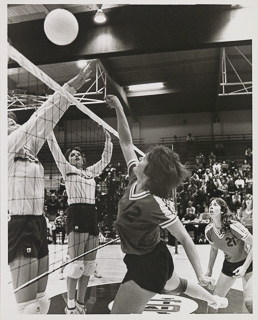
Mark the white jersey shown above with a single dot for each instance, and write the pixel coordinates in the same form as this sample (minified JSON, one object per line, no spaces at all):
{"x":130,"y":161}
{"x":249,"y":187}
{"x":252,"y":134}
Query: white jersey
{"x":26,"y":174}
{"x":80,"y":184}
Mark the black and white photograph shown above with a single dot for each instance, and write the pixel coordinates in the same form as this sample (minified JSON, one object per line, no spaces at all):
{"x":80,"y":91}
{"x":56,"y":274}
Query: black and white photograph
{"x":128,"y":159}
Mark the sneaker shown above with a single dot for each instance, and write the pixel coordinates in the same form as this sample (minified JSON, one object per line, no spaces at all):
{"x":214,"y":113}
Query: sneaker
{"x":97,"y":274}
{"x":221,"y":302}
{"x":80,"y":308}
{"x":70,"y":310}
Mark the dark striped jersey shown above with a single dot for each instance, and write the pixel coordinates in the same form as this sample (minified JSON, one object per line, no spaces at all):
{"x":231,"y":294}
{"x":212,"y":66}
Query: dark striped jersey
{"x":231,"y":242}
{"x":140,"y":216}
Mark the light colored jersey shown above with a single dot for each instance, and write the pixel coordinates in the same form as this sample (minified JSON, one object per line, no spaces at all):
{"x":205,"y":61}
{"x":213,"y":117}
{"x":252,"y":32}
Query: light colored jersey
{"x":231,"y":243}
{"x":25,"y":172}
{"x":80,"y":184}
{"x":140,"y":216}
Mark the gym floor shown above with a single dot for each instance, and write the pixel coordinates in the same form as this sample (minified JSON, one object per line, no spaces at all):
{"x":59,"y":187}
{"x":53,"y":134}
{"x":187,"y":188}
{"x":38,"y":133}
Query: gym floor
{"x":101,"y":291}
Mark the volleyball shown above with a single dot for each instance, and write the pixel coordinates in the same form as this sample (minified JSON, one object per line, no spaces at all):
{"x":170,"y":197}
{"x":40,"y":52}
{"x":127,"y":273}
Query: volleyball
{"x":61,"y":27}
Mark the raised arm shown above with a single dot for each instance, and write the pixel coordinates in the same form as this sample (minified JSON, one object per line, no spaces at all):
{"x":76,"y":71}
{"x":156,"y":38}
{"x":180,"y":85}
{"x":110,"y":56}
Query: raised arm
{"x":125,"y":137}
{"x":98,"y":167}
{"x":62,"y":164}
{"x":34,"y":132}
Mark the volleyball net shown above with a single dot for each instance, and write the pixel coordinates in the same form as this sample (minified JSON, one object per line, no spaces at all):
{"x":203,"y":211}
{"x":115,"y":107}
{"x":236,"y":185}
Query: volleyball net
{"x":55,"y":120}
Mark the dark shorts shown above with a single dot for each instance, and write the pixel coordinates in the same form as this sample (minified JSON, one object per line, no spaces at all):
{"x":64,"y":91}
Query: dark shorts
{"x":229,"y":267}
{"x":150,"y":271}
{"x":83,"y":218}
{"x":27,"y":236}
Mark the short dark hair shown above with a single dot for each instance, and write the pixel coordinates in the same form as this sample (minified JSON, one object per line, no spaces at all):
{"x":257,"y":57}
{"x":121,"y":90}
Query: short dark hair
{"x":164,"y":170}
{"x":67,"y":153}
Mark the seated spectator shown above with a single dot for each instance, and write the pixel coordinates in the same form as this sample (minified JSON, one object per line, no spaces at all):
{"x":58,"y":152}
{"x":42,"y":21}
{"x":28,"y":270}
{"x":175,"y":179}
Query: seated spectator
{"x":63,"y":204}
{"x":199,"y":199}
{"x":249,"y":155}
{"x":240,"y":183}
{"x":232,"y":166}
{"x":224,"y":188}
{"x":119,"y":168}
{"x":235,"y":201}
{"x":61,"y":187}
{"x":217,"y":183}
{"x":208,"y":174}
{"x":246,"y":168}
{"x":212,"y":158}
{"x":192,"y":188}
{"x":224,"y":167}
{"x":200,"y":160}
{"x":231,"y":186}
{"x":204,"y":219}
{"x":211,"y":188}
{"x":180,"y":211}
{"x":236,"y":173}
{"x":216,"y":168}
{"x":59,"y":226}
{"x":52,"y":204}
{"x":246,"y":212}
{"x":195,"y":177}
{"x":188,"y":217}
{"x":249,"y":183}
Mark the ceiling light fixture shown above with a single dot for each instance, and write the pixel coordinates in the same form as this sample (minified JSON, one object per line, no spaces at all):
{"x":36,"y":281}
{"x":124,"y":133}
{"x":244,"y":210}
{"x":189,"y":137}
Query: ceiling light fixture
{"x":146,"y":86}
{"x":100,"y":16}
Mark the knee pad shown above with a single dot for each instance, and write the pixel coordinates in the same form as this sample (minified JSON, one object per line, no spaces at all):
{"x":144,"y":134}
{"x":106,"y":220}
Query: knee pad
{"x":249,"y":305}
{"x":89,"y":267}
{"x":181,"y":287}
{"x":76,"y":269}
{"x":44,"y":302}
{"x":29,"y":307}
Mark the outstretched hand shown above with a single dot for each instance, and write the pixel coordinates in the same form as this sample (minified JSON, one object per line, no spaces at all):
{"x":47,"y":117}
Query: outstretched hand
{"x":81,"y":78}
{"x":112,"y":101}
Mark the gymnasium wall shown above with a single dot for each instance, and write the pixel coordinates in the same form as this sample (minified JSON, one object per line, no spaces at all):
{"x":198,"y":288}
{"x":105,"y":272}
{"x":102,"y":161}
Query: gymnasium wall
{"x":151,"y":128}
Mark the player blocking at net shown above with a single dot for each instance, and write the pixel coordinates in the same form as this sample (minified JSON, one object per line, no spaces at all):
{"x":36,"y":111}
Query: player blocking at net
{"x":82,"y":221}
{"x":144,"y":208}
{"x":27,"y":230}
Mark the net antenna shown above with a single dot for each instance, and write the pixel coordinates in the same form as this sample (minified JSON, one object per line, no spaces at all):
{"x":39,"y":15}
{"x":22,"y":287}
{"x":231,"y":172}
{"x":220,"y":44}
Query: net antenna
{"x":80,"y":104}
{"x":239,"y":87}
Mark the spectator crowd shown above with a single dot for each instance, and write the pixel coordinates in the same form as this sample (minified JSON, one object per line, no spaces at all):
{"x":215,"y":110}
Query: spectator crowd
{"x":208,"y":178}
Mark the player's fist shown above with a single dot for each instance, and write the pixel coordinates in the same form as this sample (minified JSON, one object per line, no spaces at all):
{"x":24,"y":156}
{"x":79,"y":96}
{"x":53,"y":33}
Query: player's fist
{"x":112,"y":101}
